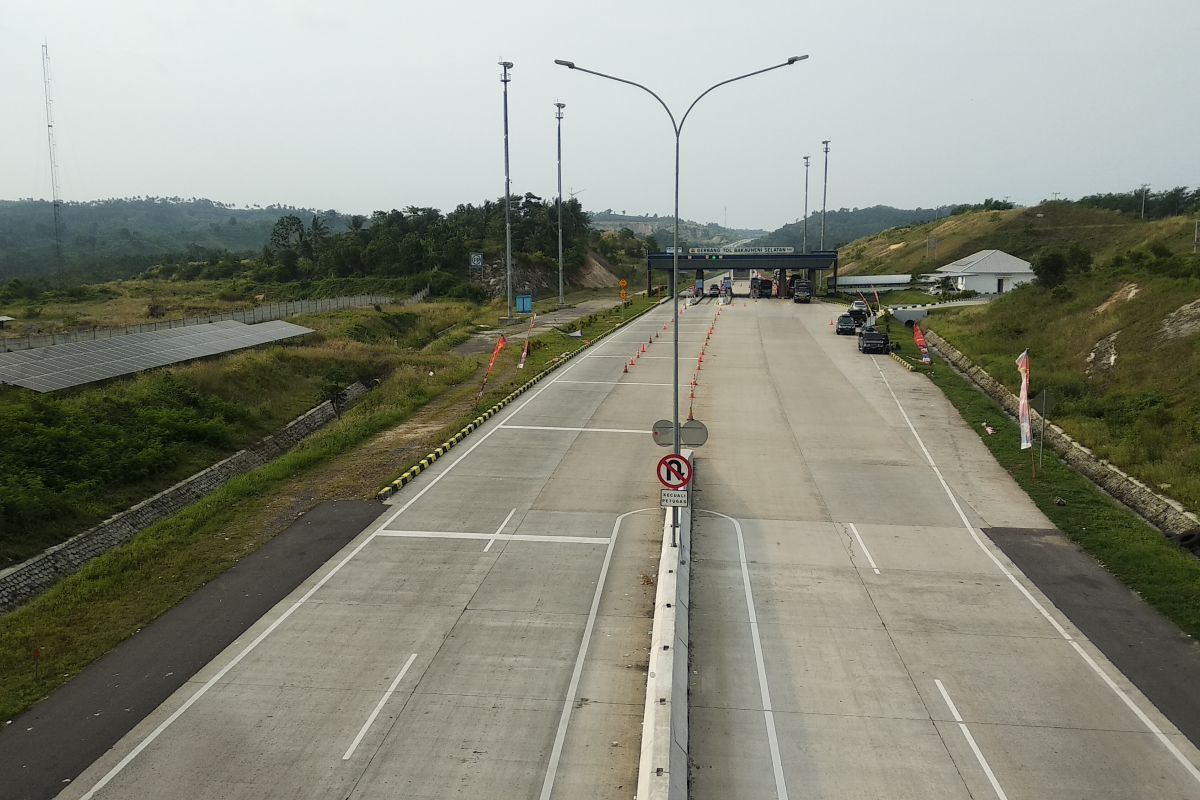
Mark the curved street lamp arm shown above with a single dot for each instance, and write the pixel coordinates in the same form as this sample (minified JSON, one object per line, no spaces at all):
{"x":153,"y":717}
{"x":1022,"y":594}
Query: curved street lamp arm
{"x":571,"y":65}
{"x":787,"y":63}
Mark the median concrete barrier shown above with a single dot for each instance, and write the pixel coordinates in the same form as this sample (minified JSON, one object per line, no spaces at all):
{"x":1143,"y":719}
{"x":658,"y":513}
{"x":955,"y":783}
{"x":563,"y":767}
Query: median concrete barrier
{"x":663,"y":768}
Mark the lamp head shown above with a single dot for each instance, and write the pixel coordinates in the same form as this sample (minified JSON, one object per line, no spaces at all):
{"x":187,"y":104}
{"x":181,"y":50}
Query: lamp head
{"x":563,"y":63}
{"x":560,"y":106}
{"x":505,"y":64}
{"x":794,"y":59}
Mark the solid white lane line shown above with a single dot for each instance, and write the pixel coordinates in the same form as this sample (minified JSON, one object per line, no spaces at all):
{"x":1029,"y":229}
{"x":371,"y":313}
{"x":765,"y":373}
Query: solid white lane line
{"x":1121,"y":694}
{"x":759,"y":661}
{"x":605,"y":355}
{"x":620,"y":383}
{"x":583,"y":430}
{"x":863,"y":545}
{"x":504,"y":537}
{"x":573,"y":689}
{"x":962,"y":726}
{"x":379,"y":707}
{"x":499,"y":531}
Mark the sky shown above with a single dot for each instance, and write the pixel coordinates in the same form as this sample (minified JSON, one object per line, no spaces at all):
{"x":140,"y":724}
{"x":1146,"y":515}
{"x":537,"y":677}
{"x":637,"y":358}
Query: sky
{"x":360,"y":105}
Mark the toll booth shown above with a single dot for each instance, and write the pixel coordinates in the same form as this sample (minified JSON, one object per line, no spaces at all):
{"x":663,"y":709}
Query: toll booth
{"x":819,"y":267}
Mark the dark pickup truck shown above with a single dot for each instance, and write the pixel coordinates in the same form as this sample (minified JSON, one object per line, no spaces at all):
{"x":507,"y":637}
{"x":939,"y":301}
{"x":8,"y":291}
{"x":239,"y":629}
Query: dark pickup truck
{"x":873,"y":341}
{"x":845,"y":325}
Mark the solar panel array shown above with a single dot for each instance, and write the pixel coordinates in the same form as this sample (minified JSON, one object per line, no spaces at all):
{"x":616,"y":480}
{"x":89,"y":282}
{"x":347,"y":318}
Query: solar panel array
{"x":45,"y":369}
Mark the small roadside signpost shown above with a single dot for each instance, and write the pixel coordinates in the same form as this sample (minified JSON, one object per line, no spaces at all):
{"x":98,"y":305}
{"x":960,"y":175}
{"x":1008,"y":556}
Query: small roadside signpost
{"x":674,"y":473}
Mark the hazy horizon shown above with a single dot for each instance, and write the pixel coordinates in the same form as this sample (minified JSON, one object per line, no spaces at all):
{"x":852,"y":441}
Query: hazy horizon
{"x":379,"y":106}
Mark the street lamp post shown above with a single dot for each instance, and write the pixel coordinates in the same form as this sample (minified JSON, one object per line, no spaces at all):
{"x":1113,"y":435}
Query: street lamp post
{"x":558,"y":115}
{"x":677,"y":127}
{"x":824,"y":191}
{"x":805,"y":248}
{"x":504,"y":79}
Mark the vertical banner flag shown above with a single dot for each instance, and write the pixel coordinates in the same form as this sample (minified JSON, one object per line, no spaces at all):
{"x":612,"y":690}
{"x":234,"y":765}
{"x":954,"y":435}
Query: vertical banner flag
{"x":1023,"y":409}
{"x":499,"y":346}
{"x":919,"y":341}
{"x":525,"y":349}
{"x":878,"y":304}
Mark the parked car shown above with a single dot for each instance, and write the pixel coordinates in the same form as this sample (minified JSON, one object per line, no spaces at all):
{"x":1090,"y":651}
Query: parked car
{"x":845,"y":325}
{"x":859,"y":305}
{"x":873,"y":341}
{"x":859,"y":315}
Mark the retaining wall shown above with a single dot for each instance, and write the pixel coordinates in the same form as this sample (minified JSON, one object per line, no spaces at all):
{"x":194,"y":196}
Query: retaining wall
{"x":25,"y":581}
{"x":1166,"y":514}
{"x":663,"y":766}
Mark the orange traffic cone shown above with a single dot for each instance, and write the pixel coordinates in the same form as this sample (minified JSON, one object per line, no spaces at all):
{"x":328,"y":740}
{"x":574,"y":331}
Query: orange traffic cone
{"x":626,"y":368}
{"x":700,"y":360}
{"x":643,"y":348}
{"x":630,"y":362}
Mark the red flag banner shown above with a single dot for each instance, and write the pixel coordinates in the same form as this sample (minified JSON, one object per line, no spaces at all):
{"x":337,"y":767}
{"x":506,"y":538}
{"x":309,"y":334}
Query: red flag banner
{"x":1023,"y":408}
{"x":919,"y":341}
{"x":499,"y":346}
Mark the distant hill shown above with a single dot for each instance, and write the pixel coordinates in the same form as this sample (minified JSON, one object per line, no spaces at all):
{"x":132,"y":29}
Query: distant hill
{"x":845,"y":225}
{"x":118,"y":237}
{"x":706,"y":233}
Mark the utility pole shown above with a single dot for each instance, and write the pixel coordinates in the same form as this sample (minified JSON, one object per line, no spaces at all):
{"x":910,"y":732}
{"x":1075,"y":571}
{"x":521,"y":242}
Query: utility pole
{"x":1196,"y":236}
{"x":54,"y":188}
{"x":804,"y":249}
{"x":504,"y":79}
{"x":824,"y":192}
{"x":1145,"y":186}
{"x":558,"y":115}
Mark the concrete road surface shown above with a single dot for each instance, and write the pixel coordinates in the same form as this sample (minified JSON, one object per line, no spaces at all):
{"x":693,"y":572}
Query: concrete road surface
{"x":486,"y":637}
{"x":853,"y":633}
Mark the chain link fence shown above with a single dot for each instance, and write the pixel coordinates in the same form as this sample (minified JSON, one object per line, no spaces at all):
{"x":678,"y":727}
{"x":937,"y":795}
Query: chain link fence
{"x":259,"y":313}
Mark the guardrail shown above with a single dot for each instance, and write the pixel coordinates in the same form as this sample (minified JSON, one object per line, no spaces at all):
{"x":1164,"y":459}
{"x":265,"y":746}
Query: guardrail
{"x":663,"y":766}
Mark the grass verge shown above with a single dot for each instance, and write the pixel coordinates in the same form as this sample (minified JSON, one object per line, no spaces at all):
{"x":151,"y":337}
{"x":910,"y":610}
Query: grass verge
{"x":1133,"y":551}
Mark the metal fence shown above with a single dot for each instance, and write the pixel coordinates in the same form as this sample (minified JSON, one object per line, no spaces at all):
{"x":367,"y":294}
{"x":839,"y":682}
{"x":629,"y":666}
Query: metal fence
{"x":260,"y":313}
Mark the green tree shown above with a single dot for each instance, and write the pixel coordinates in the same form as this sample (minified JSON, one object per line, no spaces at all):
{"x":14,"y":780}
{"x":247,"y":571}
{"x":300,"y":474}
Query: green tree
{"x":1051,"y":268}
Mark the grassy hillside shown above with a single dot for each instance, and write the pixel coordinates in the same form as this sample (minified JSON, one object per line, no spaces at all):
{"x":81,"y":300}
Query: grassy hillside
{"x":1023,"y":232}
{"x":1136,"y":402}
{"x":71,"y":458}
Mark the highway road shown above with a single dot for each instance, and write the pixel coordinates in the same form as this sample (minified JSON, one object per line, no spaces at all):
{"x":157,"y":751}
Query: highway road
{"x":487,"y":636}
{"x":853,"y":633}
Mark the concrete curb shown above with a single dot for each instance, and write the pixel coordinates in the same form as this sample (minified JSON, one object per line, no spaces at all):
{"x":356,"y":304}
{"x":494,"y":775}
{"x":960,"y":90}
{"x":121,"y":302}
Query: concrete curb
{"x":663,"y":766}
{"x":902,"y":362}
{"x":409,"y":475}
{"x":1164,"y":513}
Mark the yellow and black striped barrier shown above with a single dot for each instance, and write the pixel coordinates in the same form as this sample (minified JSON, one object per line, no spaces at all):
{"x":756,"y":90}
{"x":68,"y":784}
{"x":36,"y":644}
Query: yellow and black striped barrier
{"x":903,"y":361}
{"x":409,"y":475}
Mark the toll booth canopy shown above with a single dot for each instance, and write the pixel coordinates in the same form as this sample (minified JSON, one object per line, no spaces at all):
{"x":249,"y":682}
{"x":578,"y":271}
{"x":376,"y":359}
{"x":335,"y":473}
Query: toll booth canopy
{"x":780,"y":262}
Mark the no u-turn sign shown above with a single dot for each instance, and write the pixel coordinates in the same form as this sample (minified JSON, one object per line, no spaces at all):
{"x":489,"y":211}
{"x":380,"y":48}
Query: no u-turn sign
{"x":674,"y":472}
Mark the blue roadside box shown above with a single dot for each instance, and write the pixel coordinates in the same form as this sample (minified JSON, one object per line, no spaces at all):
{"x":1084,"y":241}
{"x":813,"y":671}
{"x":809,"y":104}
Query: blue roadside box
{"x":524,"y":303}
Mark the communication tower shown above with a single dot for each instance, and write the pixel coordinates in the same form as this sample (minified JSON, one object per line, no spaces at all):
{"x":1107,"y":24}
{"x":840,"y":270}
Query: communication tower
{"x":55,"y":191}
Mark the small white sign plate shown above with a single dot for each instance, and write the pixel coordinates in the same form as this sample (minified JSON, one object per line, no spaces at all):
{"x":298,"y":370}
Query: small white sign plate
{"x":674,"y":498}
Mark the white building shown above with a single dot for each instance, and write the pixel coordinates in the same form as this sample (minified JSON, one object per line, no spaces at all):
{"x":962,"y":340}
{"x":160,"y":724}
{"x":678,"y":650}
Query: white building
{"x":987,"y":272}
